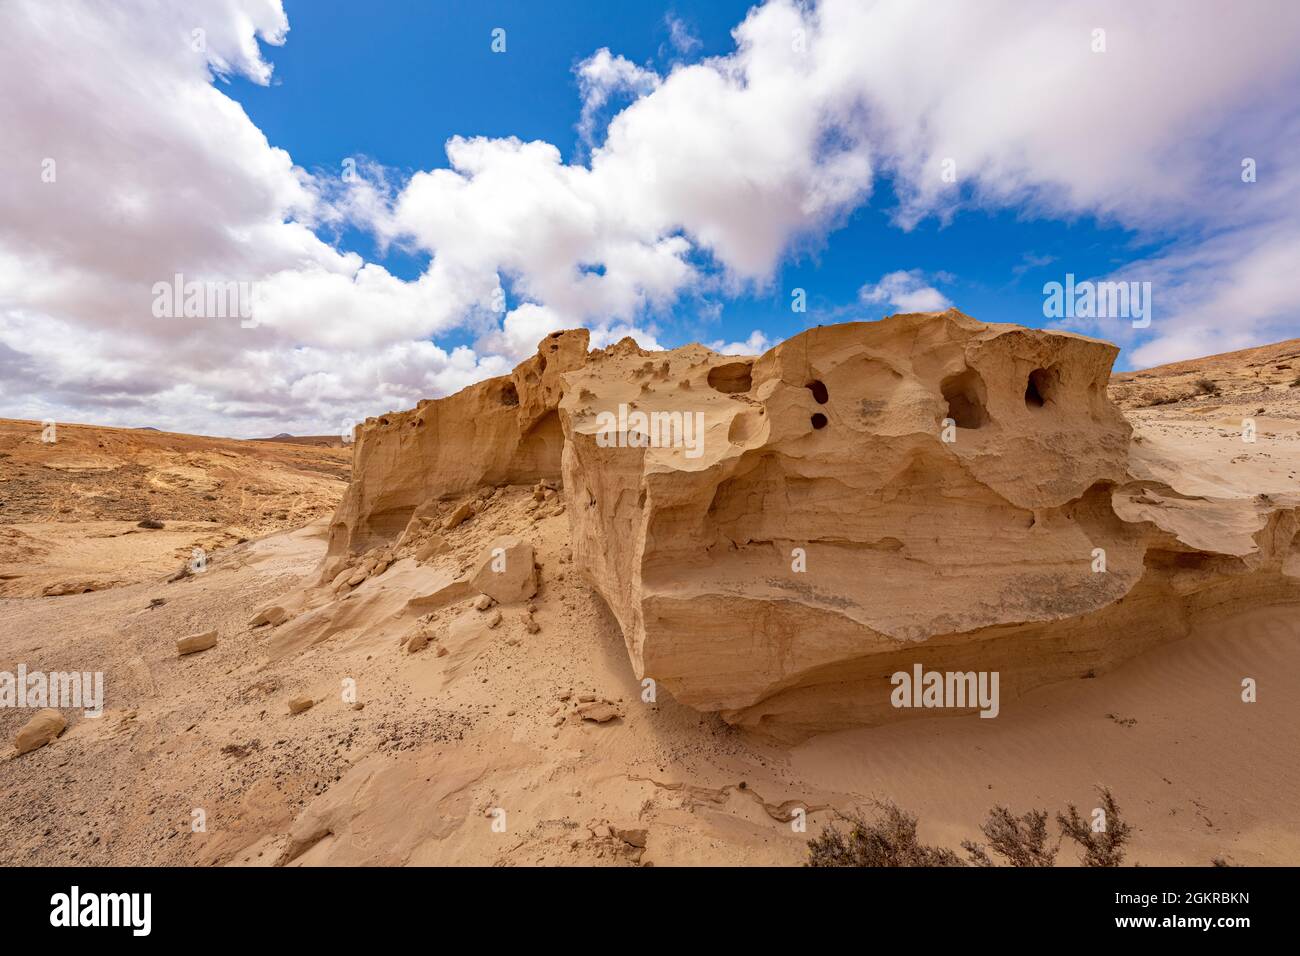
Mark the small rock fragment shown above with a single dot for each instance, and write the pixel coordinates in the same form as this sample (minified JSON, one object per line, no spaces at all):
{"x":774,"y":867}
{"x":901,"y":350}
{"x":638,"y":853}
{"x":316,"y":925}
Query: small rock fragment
{"x":599,"y":711}
{"x":273,"y":615}
{"x":40,"y":730}
{"x":196,"y":642}
{"x":506,"y":571}
{"x":633,"y":836}
{"x":459,"y":516}
{"x":434,"y":546}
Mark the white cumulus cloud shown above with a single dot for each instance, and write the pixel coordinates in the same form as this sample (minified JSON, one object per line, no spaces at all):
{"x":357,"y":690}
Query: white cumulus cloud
{"x":125,"y":163}
{"x":906,"y":291}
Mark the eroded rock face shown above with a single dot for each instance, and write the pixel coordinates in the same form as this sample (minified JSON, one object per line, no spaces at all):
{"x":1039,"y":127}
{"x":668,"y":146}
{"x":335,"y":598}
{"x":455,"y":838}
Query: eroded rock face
{"x":504,"y":430}
{"x":925,"y":489}
{"x":778,"y":535}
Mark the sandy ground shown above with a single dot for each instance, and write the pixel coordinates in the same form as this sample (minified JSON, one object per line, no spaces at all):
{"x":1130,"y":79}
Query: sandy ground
{"x":473,"y":751}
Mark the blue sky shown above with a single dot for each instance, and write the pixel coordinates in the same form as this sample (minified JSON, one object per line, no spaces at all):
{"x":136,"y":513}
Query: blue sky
{"x":672,"y":172}
{"x":395,"y":86}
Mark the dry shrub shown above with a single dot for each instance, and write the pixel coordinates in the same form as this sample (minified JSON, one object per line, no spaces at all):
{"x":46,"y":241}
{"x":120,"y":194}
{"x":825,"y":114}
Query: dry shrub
{"x":1105,"y":848}
{"x":1021,"y":841}
{"x":888,"y":840}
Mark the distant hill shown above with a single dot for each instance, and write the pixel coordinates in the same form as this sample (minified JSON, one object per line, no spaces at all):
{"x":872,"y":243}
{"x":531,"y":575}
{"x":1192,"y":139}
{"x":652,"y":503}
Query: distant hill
{"x":318,"y":441}
{"x":1267,"y":376}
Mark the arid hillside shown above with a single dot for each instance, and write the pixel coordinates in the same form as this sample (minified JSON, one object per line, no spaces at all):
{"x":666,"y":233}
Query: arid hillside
{"x":72,"y":499}
{"x":1265,"y":380}
{"x":1195,"y":413}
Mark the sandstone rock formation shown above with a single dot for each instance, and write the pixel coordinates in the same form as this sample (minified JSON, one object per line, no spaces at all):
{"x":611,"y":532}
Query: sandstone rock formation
{"x":503,"y":430}
{"x":777,"y":535}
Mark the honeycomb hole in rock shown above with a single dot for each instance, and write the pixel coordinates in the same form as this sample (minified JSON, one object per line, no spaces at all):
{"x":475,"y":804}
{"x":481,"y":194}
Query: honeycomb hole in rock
{"x":819,"y":420}
{"x":745,"y":427}
{"x":731,"y":378}
{"x":552,"y":345}
{"x":509,"y":395}
{"x":1040,"y":388}
{"x":819,"y":393}
{"x":966,"y":398}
